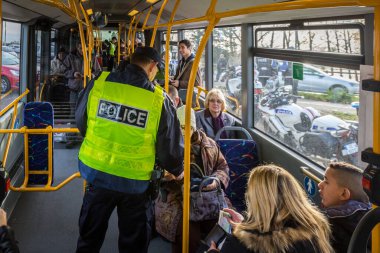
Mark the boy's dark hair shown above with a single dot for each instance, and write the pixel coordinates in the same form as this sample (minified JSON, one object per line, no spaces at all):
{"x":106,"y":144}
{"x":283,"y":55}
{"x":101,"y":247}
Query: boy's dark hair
{"x":186,"y":42}
{"x":350,"y":176}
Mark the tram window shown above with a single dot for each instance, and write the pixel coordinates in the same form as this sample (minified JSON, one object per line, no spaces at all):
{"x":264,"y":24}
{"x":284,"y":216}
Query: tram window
{"x":173,"y":49}
{"x":53,"y":44}
{"x":195,"y":36}
{"x":227,"y":65}
{"x":108,"y":34}
{"x":333,"y":22}
{"x":344,"y":41}
{"x":10,"y":72}
{"x":313,"y":116}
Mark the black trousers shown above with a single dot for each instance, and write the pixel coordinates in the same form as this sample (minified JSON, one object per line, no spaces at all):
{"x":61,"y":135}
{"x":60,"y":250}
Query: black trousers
{"x":133,"y":220}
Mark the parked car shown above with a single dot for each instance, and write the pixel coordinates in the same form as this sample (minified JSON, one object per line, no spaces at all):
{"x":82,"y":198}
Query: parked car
{"x":315,"y":80}
{"x":10,"y":50}
{"x":9,"y":72}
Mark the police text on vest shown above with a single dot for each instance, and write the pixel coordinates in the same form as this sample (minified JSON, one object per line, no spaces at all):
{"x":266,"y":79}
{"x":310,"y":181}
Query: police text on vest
{"x":122,"y":113}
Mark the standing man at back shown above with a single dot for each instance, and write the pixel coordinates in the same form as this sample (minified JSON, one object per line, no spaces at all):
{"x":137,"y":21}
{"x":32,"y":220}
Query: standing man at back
{"x":112,"y":51}
{"x":128,"y":124}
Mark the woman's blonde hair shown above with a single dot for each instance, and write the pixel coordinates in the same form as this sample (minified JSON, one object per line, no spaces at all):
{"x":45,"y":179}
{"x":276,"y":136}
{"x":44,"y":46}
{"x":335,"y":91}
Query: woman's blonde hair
{"x":218,"y":94}
{"x":274,"y":197}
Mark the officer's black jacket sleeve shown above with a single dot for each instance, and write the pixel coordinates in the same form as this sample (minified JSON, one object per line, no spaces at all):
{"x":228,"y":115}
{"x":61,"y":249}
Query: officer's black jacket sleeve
{"x":8,"y":243}
{"x":169,"y":144}
{"x":81,"y":108}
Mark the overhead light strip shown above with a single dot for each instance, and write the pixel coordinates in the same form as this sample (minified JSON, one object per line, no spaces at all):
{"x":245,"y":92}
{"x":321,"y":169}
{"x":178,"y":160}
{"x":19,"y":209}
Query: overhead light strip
{"x":133,"y":12}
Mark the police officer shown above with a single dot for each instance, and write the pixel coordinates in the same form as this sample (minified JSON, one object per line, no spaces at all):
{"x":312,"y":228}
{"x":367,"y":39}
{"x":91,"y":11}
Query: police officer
{"x":127,"y":124}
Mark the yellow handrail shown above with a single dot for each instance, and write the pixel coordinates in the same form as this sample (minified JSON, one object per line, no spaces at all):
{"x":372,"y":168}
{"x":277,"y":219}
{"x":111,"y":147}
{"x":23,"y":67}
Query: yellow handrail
{"x":14,"y":116}
{"x":90,"y":40}
{"x":129,"y":36}
{"x":134,"y":32}
{"x":293,"y":5}
{"x":60,"y":5}
{"x":118,"y":44}
{"x":200,"y":90}
{"x":146,"y":18}
{"x":42,"y":90}
{"x":83,"y":41}
{"x":167,"y":44}
{"x":49,"y":131}
{"x":190,"y":89}
{"x":376,"y":113}
{"x":235,"y":101}
{"x":156,"y":23}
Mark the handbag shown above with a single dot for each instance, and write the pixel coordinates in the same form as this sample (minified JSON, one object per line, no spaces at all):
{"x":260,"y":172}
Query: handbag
{"x":205,"y":205}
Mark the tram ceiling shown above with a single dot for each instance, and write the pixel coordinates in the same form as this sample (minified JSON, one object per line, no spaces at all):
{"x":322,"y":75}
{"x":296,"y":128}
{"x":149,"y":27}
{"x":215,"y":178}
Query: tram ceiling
{"x":26,"y":10}
{"x":117,"y":11}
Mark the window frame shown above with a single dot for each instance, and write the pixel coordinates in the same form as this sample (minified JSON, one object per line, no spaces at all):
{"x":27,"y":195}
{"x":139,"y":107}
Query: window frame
{"x":305,"y":57}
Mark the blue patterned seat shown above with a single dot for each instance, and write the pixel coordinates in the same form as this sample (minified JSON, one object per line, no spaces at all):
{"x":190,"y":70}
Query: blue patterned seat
{"x":38,"y":115}
{"x":241,"y":156}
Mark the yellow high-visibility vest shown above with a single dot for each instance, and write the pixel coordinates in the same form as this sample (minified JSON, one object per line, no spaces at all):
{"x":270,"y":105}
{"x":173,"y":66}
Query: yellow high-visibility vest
{"x":122,"y":126}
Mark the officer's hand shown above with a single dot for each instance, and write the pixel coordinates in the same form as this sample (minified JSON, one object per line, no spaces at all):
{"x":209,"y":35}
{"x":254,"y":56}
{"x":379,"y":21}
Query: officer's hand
{"x":168,"y":176}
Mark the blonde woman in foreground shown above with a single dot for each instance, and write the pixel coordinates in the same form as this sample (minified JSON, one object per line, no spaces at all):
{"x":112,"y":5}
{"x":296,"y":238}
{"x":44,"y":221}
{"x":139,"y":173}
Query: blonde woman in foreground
{"x":279,"y":218}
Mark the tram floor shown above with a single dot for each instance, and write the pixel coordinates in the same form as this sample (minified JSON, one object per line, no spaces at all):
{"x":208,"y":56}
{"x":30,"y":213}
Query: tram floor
{"x":48,"y":221}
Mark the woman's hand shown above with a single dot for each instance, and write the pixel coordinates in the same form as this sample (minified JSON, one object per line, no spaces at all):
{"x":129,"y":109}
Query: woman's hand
{"x":211,"y":186}
{"x":175,"y":83}
{"x":235,"y":218}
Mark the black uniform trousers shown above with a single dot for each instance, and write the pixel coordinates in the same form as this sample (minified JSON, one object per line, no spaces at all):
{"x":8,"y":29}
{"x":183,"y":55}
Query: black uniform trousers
{"x":133,"y":220}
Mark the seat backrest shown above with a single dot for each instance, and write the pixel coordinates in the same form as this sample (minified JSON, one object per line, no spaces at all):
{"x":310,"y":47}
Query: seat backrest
{"x":242,"y":156}
{"x":182,"y":95}
{"x":38,"y":115}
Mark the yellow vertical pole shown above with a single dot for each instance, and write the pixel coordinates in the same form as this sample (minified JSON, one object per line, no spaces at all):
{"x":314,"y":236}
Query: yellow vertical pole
{"x":50,"y":156}
{"x":118,"y":45}
{"x":157,"y":21}
{"x":134,"y":32}
{"x":146,"y":18}
{"x":10,"y":135}
{"x":125,"y":37}
{"x":82,"y":39}
{"x":1,"y":38}
{"x":376,"y":113}
{"x":90,"y":40}
{"x":190,"y":89}
{"x":26,"y":159}
{"x":167,"y":44}
{"x":130,"y":35}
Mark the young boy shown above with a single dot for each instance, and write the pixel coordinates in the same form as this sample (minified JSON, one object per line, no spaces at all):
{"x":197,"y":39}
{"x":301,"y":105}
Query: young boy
{"x":344,"y":201}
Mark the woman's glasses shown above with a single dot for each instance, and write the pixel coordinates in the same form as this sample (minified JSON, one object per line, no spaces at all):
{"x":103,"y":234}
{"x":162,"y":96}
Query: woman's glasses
{"x":215,"y":101}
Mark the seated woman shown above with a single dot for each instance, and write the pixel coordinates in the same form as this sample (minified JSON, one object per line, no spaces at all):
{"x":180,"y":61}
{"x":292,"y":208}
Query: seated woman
{"x":168,"y":209}
{"x":213,"y":118}
{"x":280,"y":217}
